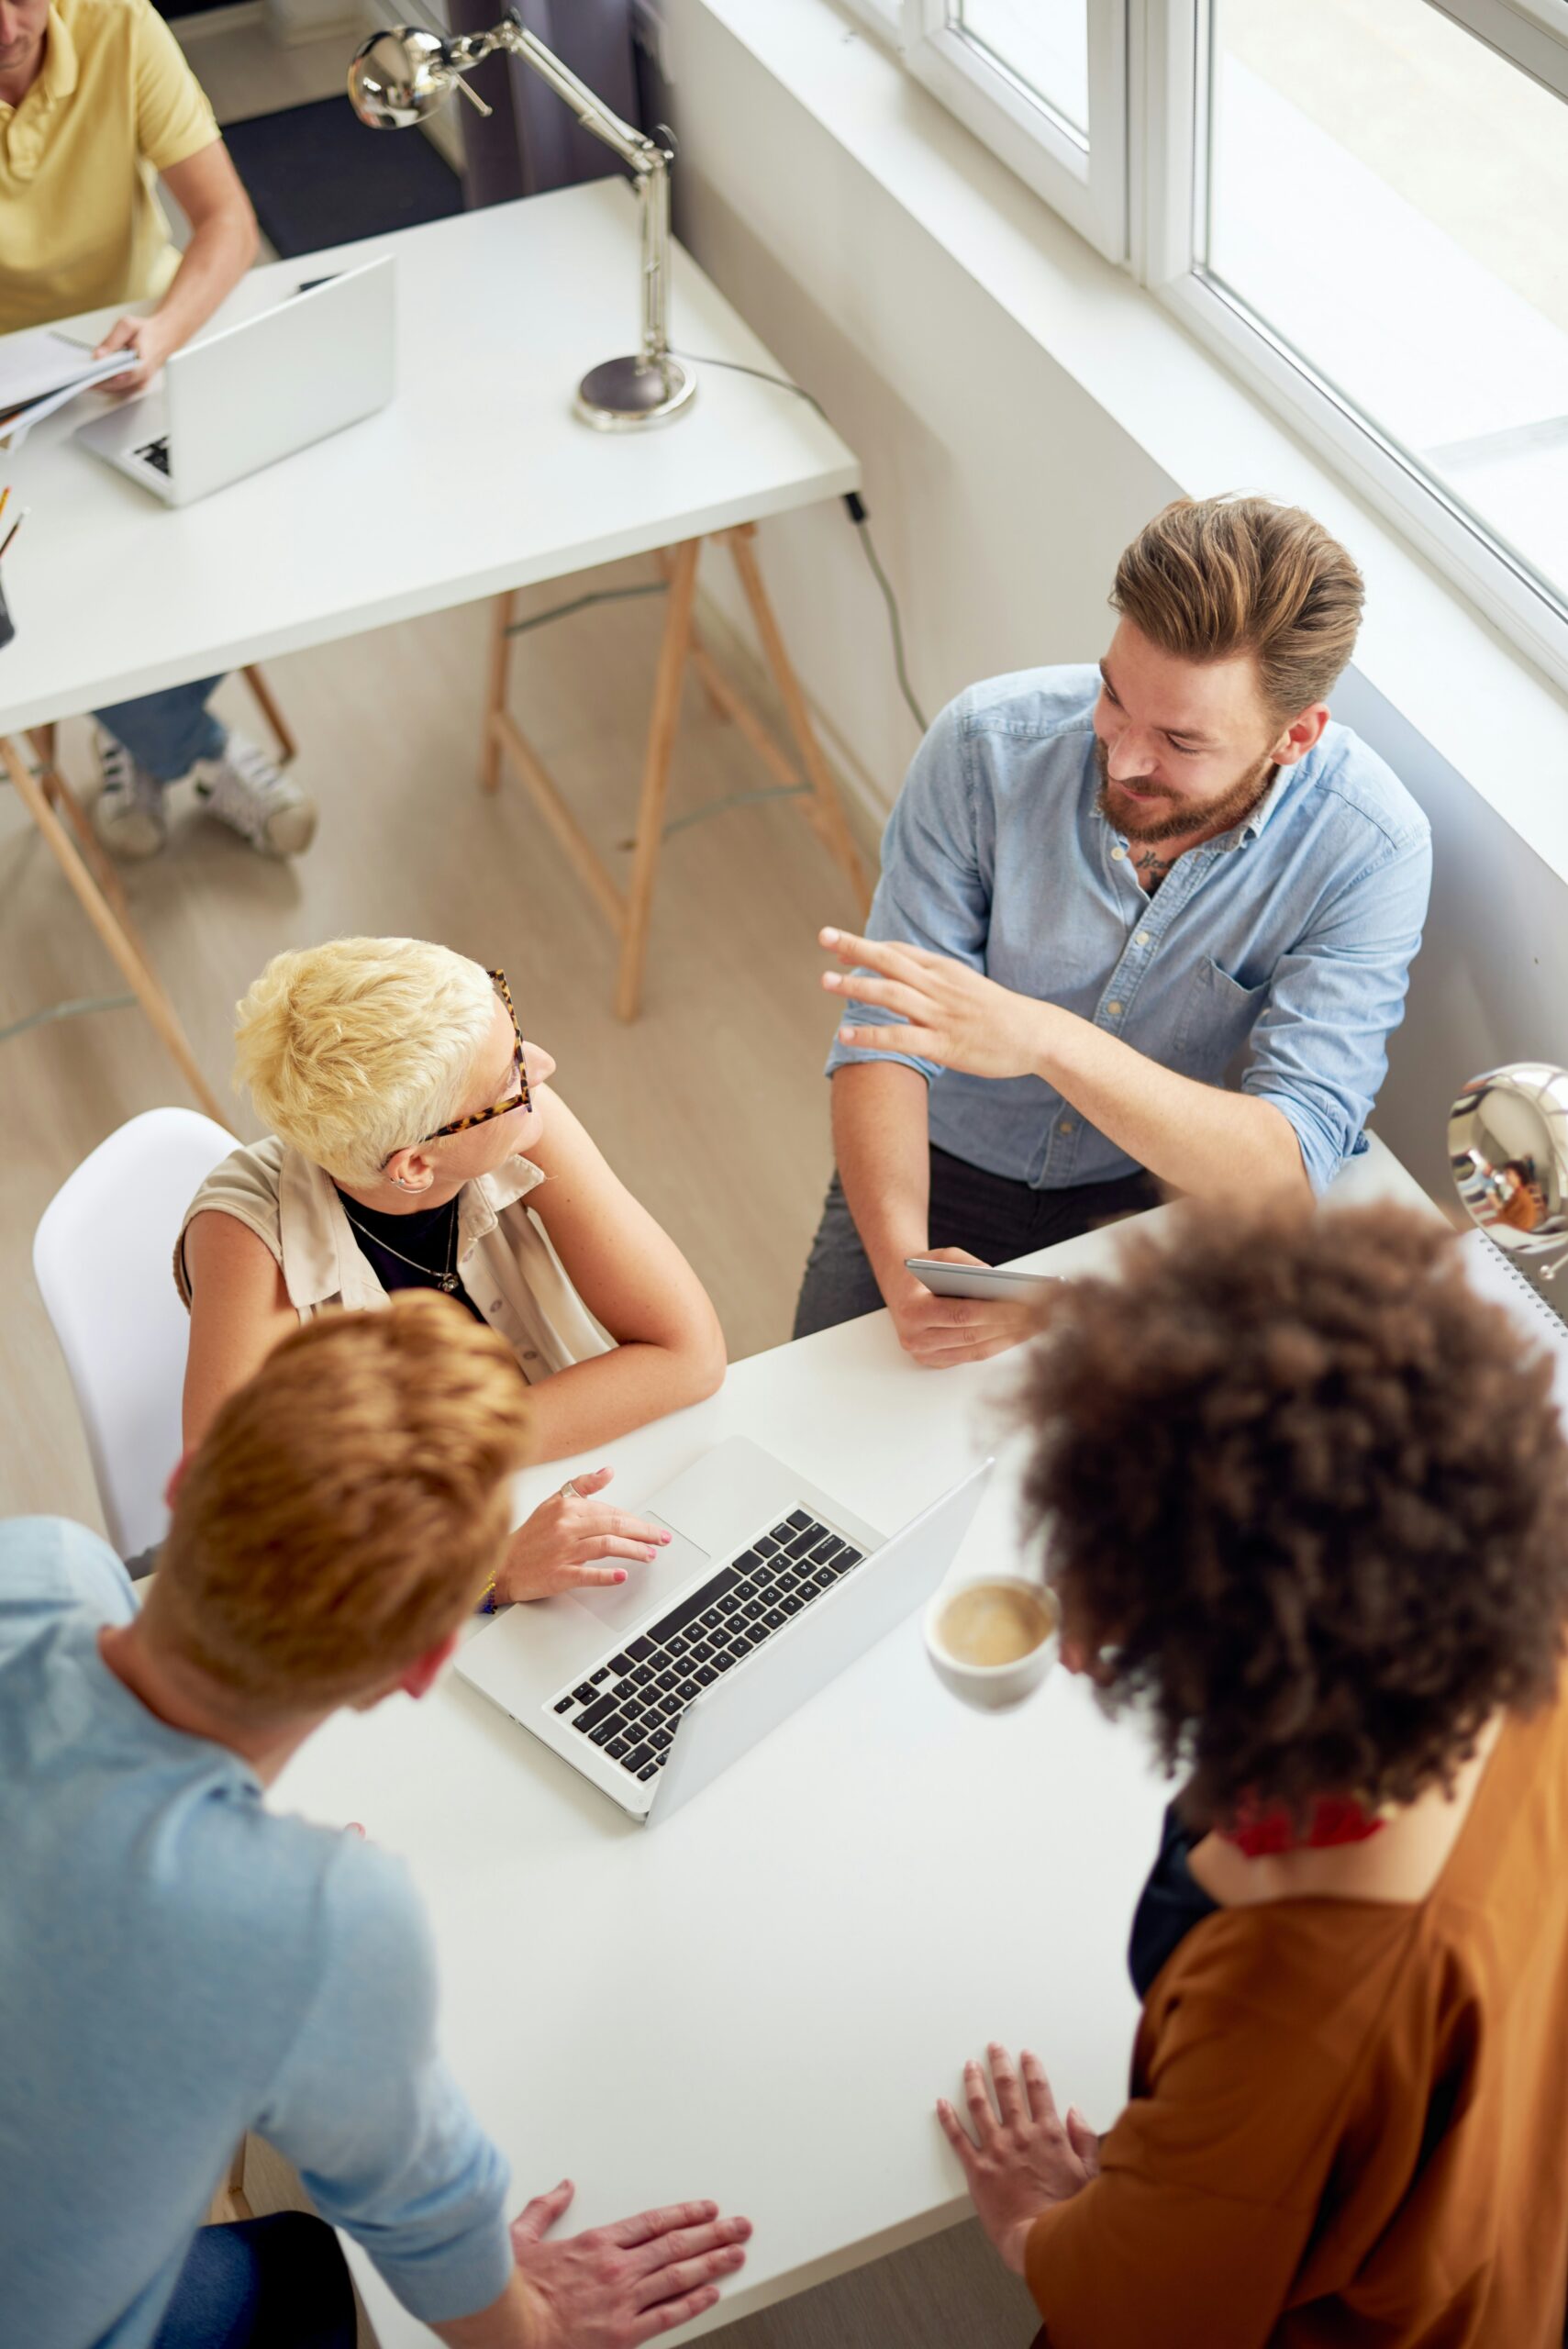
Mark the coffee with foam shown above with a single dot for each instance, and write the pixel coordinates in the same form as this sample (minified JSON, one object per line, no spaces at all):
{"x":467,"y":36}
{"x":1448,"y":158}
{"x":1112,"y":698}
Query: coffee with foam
{"x":989,"y":1623}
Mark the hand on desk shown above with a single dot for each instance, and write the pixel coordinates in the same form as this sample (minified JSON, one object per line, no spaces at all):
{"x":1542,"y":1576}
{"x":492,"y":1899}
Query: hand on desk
{"x":148,"y":345}
{"x":940,"y":1332}
{"x":562,"y":1545}
{"x":1025,"y":2157}
{"x":619,"y":2285}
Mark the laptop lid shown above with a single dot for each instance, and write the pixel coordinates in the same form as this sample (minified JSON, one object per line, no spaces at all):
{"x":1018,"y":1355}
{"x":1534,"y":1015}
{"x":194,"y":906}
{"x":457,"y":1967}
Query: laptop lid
{"x":250,"y":394}
{"x":738,"y":1712}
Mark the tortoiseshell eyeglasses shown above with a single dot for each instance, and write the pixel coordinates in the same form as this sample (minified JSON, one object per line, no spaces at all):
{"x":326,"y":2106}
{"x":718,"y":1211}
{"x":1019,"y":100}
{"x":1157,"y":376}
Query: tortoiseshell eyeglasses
{"x":521,"y":1099}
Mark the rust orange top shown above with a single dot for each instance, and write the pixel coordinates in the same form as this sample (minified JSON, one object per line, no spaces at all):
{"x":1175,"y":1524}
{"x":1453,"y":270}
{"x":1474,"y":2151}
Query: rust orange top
{"x":1348,"y":2117}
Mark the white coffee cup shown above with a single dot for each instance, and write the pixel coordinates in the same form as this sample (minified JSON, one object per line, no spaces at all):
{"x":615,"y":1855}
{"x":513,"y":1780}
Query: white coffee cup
{"x":991,"y":1614}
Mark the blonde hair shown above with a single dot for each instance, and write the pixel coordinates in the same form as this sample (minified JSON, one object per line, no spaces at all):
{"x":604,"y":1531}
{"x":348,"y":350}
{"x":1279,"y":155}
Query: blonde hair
{"x":346,"y":1507}
{"x":355,"y":1049}
{"x":1216,"y":576}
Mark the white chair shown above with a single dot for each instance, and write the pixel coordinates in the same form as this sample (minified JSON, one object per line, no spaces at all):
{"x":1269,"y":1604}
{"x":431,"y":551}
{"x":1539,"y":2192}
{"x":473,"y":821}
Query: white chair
{"x":102,"y":1258}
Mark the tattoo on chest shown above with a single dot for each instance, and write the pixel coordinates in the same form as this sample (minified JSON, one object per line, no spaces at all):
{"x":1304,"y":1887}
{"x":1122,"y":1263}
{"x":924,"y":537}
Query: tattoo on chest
{"x":1154,"y":868}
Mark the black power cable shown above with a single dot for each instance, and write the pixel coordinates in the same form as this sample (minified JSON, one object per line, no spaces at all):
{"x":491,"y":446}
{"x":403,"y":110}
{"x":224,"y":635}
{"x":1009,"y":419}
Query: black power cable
{"x":854,"y":507}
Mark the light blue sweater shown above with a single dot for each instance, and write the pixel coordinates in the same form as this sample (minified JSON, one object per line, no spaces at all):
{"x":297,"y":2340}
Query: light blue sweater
{"x":177,"y":1965}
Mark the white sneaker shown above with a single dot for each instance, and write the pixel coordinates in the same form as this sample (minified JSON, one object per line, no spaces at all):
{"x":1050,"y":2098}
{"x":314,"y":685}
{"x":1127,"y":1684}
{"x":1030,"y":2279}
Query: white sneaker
{"x":244,"y":790}
{"x":128,"y":811}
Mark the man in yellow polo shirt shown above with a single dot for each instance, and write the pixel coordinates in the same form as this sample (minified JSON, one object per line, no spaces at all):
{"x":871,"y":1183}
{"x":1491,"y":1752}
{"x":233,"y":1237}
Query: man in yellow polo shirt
{"x":97,"y":103}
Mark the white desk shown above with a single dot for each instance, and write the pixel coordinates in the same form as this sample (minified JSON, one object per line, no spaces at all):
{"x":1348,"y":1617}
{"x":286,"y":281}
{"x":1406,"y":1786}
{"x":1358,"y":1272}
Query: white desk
{"x":476,"y":481}
{"x":875,"y":1891}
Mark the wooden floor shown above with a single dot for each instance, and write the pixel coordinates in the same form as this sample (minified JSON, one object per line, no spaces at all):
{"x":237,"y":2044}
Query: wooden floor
{"x":712,"y":1106}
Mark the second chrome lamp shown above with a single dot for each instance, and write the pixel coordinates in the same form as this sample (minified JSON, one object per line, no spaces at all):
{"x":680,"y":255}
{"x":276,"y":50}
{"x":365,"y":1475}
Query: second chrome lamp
{"x":400,"y":75}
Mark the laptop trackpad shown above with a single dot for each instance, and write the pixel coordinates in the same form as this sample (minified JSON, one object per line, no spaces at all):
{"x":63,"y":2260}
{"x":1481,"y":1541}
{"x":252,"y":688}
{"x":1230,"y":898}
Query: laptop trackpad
{"x":620,"y":1607}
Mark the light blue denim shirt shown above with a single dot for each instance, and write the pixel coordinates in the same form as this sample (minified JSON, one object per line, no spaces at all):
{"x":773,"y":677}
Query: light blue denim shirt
{"x":179,"y":1963}
{"x":1282,"y":947}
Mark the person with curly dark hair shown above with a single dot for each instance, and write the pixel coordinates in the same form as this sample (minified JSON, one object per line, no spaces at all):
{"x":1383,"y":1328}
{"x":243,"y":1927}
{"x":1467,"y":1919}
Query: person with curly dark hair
{"x":1307,"y":1501}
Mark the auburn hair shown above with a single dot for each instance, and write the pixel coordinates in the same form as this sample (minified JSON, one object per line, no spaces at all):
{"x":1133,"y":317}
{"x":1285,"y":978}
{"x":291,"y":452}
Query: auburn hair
{"x":1214,"y":577}
{"x":346,"y":1507}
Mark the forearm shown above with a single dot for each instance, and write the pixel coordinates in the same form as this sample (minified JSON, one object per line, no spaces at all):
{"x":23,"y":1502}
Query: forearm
{"x":882,"y":1140}
{"x":1201,"y":1139}
{"x":593,"y":1402}
{"x":220,"y":251}
{"x":511,"y":2323}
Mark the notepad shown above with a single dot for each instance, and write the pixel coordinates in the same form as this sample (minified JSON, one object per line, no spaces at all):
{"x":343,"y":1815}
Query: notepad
{"x":1493,"y":1274}
{"x":40,"y":371}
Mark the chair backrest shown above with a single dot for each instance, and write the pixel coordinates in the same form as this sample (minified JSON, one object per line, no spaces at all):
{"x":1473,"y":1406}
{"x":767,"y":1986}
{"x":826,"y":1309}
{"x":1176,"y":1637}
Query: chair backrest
{"x":102,"y":1258}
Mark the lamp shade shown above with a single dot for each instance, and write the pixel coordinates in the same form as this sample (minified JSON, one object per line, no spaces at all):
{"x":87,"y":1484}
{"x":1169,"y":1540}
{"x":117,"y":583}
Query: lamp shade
{"x":398,"y":77}
{"x":1507,"y":1138}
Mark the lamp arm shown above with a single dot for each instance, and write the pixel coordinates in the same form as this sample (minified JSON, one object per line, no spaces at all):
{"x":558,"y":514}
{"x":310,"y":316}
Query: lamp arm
{"x":631,"y":145}
{"x":645,"y":158}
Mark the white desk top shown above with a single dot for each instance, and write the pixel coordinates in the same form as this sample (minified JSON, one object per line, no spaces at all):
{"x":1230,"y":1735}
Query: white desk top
{"x":877,"y":1890}
{"x":477,"y":478}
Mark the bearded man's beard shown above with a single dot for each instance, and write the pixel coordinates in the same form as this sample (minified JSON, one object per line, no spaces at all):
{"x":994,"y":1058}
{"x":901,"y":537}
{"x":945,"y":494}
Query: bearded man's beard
{"x":1221,"y":814}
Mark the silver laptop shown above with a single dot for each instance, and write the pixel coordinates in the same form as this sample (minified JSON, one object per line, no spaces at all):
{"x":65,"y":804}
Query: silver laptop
{"x":767,"y":1590}
{"x":250,"y":394}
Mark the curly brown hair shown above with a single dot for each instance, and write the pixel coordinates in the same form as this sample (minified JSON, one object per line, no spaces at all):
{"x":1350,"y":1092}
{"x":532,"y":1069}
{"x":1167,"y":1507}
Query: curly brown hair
{"x":1309,"y":1494}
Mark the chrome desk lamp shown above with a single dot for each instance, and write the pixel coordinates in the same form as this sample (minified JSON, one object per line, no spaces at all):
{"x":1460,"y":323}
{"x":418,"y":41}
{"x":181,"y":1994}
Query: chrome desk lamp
{"x":401,"y":75}
{"x":1507,"y":1138}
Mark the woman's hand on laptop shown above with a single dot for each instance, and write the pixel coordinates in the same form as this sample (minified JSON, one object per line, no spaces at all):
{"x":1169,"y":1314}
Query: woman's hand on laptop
{"x":572,"y":1541}
{"x":147,"y":345}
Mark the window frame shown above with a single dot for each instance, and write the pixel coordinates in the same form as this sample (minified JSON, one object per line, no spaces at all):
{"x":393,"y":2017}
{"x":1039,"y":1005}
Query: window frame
{"x":1168,"y":246}
{"x":1133,"y":191}
{"x":882,"y":17}
{"x":1083,"y":179}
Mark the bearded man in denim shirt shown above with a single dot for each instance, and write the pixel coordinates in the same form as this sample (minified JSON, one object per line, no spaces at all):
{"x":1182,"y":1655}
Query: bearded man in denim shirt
{"x":1105,"y":892}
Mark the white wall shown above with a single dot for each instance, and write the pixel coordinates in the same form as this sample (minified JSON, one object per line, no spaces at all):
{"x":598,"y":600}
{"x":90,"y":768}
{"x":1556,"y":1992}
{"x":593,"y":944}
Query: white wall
{"x":1001,"y":495}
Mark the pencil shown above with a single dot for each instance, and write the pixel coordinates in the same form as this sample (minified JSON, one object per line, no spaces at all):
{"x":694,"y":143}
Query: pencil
{"x":5,"y":541}
{"x":5,"y":493}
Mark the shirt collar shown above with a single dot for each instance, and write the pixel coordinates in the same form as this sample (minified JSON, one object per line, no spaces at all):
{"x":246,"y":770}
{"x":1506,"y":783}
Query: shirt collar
{"x":321,"y":1257}
{"x":59,"y":75}
{"x":1270,"y":801}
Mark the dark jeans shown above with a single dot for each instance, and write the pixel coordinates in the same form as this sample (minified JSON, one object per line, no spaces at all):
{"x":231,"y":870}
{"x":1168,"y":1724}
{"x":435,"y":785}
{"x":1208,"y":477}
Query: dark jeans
{"x":993,"y":1217}
{"x":278,"y":2283}
{"x":168,"y":733}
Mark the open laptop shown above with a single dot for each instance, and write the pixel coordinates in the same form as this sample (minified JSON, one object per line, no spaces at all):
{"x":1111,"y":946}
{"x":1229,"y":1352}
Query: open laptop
{"x":767,"y":1590}
{"x":250,"y":394}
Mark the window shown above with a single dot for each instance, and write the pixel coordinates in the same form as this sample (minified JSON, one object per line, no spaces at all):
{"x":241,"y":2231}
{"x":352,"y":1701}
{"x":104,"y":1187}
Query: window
{"x":1361,"y":204}
{"x":1042,"y":45}
{"x":1044,"y":83}
{"x":1379,"y":235}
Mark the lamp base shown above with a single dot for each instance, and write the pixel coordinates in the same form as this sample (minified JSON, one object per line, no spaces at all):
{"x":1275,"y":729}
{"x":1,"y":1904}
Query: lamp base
{"x":625,"y":395}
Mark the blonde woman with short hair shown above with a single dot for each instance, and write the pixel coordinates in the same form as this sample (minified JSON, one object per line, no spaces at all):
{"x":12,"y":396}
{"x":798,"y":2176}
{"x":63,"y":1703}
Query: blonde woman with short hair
{"x":416,"y":1143}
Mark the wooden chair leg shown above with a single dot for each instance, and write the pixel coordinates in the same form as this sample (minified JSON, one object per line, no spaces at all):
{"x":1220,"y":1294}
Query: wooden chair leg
{"x":656,"y":774}
{"x":827,"y":808}
{"x":495,"y":690}
{"x":60,"y":795}
{"x":117,"y":935}
{"x":287,"y":747}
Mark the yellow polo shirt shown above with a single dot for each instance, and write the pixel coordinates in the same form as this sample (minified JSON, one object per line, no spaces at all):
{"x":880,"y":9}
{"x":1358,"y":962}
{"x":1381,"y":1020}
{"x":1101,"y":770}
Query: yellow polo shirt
{"x":114,"y":104}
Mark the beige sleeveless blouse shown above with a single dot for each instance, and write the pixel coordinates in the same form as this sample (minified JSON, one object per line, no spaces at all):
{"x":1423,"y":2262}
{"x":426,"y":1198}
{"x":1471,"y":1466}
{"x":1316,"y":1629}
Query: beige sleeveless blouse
{"x":505,"y":1256}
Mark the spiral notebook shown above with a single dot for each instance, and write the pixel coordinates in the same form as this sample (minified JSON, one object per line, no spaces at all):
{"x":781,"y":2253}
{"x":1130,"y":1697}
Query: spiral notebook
{"x":1493,"y":1274}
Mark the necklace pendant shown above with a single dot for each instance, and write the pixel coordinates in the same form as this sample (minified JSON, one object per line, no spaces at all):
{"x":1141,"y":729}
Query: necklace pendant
{"x":449,"y":1281}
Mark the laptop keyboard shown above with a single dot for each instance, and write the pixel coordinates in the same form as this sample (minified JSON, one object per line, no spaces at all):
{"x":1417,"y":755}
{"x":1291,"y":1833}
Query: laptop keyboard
{"x":156,"y":453}
{"x":631,"y":1705}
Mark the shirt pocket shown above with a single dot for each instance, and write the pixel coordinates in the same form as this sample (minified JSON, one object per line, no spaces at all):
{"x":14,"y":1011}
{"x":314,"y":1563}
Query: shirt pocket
{"x":1215,"y":1023}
